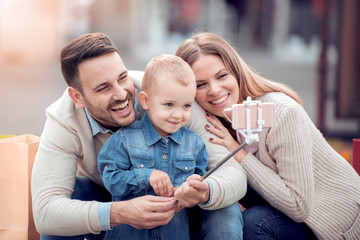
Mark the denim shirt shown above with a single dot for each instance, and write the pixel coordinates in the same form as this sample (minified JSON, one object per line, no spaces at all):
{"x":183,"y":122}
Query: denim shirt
{"x":130,"y":155}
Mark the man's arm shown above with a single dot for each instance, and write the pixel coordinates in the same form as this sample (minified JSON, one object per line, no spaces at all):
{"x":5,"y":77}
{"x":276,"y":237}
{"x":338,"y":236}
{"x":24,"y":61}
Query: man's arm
{"x":53,"y":180}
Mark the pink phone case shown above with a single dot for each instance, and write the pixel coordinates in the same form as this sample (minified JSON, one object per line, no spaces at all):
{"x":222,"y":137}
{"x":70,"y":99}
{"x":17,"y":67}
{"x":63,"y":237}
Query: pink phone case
{"x":239,"y":115}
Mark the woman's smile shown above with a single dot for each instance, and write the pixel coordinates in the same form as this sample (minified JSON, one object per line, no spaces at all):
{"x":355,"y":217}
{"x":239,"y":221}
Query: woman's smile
{"x":220,"y":101}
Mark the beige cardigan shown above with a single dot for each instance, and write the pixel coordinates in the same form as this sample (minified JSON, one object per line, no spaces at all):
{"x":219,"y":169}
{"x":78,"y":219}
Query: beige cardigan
{"x":302,"y":176}
{"x":67,"y":148}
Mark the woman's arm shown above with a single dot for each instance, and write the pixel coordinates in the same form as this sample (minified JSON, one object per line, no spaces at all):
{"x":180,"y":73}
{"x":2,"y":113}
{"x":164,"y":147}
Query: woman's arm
{"x":287,"y":182}
{"x":285,"y":178}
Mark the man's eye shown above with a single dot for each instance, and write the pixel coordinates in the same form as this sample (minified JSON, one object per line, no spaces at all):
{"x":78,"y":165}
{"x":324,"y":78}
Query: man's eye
{"x":101,"y":89}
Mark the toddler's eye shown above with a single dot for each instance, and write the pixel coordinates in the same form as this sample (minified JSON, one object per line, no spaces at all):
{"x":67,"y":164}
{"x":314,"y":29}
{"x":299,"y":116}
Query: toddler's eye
{"x":168,"y":104}
{"x":187,"y":106}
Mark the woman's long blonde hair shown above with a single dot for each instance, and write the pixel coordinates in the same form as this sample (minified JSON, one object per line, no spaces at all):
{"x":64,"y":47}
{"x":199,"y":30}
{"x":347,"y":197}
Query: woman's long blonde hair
{"x":250,"y":83}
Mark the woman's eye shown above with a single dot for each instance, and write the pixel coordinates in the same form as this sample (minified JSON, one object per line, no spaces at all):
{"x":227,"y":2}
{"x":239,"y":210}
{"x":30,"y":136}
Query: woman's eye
{"x":222,"y":75}
{"x":200,"y":85}
{"x":123,"y":77}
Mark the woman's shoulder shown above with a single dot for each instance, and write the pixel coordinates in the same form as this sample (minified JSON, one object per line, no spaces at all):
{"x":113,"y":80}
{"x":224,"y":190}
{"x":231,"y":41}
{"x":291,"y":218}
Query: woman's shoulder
{"x":279,"y":99}
{"x":284,"y":105}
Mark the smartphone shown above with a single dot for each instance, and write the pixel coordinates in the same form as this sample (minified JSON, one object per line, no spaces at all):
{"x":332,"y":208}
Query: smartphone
{"x":238,"y":112}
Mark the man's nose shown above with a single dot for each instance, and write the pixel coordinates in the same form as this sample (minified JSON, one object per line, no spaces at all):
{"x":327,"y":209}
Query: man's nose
{"x":119,"y":93}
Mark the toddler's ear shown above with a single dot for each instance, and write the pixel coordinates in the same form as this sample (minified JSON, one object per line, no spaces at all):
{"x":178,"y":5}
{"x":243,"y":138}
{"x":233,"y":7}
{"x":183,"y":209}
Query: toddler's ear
{"x":143,"y":100}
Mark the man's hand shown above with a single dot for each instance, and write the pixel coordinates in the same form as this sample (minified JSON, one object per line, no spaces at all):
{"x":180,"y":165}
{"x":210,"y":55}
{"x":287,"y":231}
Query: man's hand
{"x":161,"y":183}
{"x":193,"y":192}
{"x":143,"y":212}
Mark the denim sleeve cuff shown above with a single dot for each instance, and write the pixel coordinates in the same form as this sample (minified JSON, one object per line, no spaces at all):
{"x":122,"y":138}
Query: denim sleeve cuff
{"x":104,"y":215}
{"x":143,"y":176}
{"x":211,"y":194}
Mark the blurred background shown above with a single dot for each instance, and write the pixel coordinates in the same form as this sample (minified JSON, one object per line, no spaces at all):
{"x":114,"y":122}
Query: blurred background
{"x":310,"y":45}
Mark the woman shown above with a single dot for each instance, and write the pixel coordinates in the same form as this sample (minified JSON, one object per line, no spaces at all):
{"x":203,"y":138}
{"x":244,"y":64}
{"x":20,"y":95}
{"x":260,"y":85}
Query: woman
{"x":308,"y":188}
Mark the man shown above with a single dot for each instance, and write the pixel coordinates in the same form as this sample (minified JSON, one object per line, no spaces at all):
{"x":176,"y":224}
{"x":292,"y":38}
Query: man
{"x":99,"y":100}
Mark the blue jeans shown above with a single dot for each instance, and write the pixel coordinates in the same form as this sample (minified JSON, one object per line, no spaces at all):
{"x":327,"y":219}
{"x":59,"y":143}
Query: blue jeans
{"x":176,"y":229}
{"x":262,"y":221}
{"x":226,"y":223}
{"x":85,"y":190}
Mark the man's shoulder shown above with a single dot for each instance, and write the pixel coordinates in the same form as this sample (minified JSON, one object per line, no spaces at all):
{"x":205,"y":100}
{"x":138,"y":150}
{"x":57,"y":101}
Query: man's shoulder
{"x":67,"y":129}
{"x":63,"y":106}
{"x":63,"y":115}
{"x":136,"y":77}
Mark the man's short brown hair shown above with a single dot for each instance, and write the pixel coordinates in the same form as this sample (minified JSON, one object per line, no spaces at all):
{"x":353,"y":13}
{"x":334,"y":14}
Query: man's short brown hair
{"x":82,"y":48}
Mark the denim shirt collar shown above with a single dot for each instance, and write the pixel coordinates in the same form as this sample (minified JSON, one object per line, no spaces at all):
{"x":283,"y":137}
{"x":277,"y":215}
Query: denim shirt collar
{"x":97,"y":127}
{"x":152,"y":136}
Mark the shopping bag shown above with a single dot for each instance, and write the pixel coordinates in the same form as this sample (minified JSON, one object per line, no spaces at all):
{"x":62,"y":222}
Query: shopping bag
{"x":17,"y":156}
{"x":356,"y":155}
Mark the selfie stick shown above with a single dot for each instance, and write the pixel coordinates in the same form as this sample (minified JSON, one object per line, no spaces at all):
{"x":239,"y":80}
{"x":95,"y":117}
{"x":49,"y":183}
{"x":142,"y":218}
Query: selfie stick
{"x":249,"y":134}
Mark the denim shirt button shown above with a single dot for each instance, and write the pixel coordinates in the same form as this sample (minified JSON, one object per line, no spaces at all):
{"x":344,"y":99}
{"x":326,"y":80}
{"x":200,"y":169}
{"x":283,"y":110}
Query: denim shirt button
{"x":186,"y":168}
{"x":106,"y":167}
{"x":164,"y":156}
{"x":141,"y":165}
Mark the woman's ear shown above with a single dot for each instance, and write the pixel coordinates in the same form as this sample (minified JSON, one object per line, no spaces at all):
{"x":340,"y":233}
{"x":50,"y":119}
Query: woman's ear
{"x":77,"y":97}
{"x":143,"y":100}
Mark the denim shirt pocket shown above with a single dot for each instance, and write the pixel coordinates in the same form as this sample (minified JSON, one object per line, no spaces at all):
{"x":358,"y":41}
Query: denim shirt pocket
{"x":141,"y":161}
{"x":140,"y":156}
{"x":183,"y":169}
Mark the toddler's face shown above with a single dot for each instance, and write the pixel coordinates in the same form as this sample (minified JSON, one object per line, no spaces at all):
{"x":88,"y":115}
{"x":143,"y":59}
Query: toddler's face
{"x":169,"y":104}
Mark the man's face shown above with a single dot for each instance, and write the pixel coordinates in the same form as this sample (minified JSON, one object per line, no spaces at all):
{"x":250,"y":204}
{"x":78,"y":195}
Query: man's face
{"x":108,"y":91}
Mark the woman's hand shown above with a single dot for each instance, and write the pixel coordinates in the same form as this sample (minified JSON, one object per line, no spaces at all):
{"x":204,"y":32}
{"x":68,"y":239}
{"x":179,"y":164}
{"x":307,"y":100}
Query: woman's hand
{"x":224,"y":137}
{"x":178,"y":206}
{"x":193,"y":192}
{"x":223,"y":134}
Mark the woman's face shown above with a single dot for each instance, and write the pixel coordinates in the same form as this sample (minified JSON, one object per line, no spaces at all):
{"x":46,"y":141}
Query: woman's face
{"x":217,"y":88}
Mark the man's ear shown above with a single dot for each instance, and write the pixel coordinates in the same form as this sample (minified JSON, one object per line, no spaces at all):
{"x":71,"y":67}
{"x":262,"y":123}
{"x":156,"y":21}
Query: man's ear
{"x":77,"y":97}
{"x":143,"y":100}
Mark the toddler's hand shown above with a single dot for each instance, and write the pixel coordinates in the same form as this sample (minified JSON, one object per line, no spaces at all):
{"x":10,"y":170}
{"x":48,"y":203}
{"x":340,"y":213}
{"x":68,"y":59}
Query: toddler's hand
{"x":160,"y":181}
{"x":178,"y":207}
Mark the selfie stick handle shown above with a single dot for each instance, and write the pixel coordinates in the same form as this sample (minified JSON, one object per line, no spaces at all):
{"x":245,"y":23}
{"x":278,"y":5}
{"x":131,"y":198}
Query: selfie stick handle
{"x":223,"y":161}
